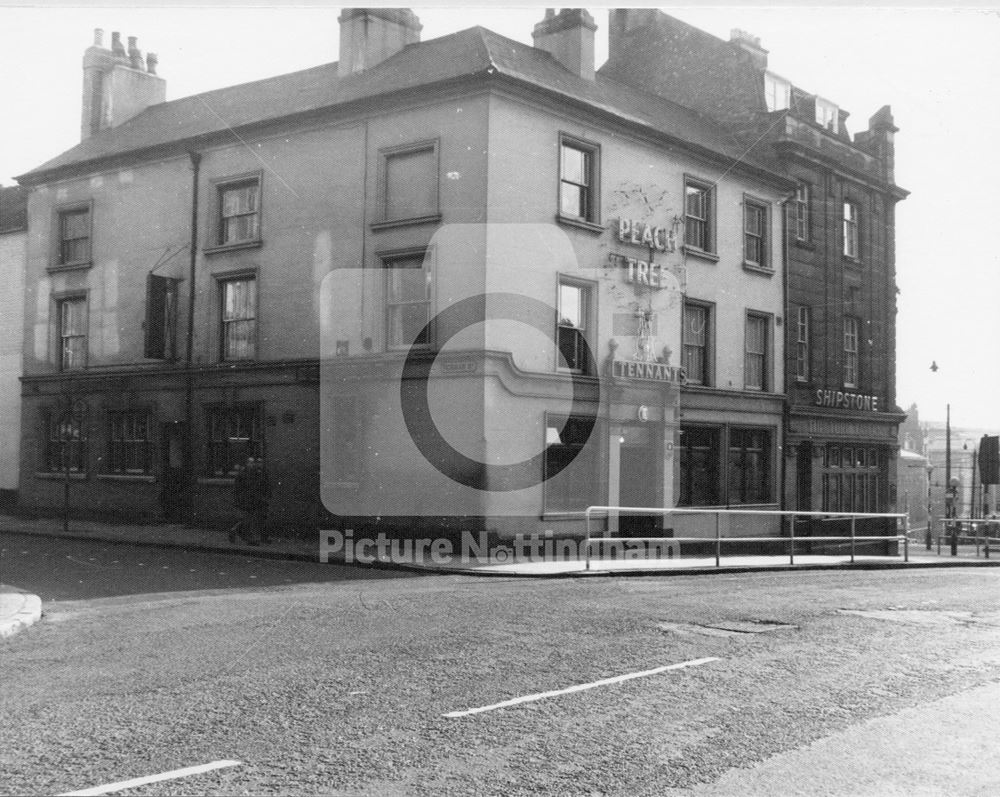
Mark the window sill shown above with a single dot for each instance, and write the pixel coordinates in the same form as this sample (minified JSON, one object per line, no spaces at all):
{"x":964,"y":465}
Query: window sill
{"x":694,"y":251}
{"x":767,"y":272}
{"x":127,"y":477}
{"x":217,"y":481}
{"x":582,"y":224}
{"x":74,"y":476}
{"x":853,"y":262}
{"x":388,"y":224}
{"x":804,"y":244}
{"x":234,"y":247}
{"x":80,"y":264}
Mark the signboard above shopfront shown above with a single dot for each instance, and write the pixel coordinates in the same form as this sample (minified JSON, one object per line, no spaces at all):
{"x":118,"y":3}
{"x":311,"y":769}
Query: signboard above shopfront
{"x":648,"y":371}
{"x":841,"y":400}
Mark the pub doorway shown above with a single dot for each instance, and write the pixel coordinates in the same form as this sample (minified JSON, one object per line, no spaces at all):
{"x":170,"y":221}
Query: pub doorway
{"x":174,"y":486}
{"x":639,"y":482}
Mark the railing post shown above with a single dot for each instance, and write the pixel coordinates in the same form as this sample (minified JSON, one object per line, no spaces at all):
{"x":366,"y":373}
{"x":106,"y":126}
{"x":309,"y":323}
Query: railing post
{"x":975,"y":536}
{"x":906,"y":538}
{"x":852,"y":538}
{"x":986,"y":540}
{"x":791,"y":542}
{"x":718,"y":542}
{"x":586,"y":541}
{"x":939,"y":537}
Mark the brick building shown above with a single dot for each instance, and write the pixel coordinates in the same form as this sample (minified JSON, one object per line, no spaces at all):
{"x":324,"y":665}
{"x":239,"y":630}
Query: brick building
{"x":841,"y":441}
{"x":268,"y":268}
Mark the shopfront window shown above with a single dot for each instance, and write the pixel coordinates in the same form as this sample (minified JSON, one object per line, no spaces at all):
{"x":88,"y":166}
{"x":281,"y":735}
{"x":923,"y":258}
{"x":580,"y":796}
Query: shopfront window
{"x":699,"y":463}
{"x":749,"y":471}
{"x":854,"y":479}
{"x":572,"y":482}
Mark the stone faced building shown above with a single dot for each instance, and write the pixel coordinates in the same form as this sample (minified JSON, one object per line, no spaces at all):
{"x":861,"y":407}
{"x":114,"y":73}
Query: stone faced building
{"x":839,"y":330}
{"x":278,"y":269}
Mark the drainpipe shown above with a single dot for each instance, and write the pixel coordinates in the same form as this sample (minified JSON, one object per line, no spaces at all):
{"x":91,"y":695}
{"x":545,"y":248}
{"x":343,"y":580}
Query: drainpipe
{"x":189,"y":348}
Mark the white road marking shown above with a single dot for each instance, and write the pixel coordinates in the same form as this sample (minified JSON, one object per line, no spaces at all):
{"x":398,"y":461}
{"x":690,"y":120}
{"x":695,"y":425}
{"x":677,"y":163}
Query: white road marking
{"x":131,"y":784}
{"x":581,"y":687}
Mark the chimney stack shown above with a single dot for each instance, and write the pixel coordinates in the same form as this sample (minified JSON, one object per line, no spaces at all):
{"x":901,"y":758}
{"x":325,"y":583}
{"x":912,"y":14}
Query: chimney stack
{"x":370,"y":35}
{"x":116,"y":83}
{"x":749,"y":44}
{"x":569,"y":37}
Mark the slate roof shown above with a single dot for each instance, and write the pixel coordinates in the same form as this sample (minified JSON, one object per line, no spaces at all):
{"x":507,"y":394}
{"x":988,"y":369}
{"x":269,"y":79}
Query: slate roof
{"x":13,"y":209}
{"x":472,"y":52}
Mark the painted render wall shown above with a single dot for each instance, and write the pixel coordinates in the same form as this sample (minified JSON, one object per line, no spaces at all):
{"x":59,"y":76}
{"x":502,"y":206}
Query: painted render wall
{"x":13,"y":248}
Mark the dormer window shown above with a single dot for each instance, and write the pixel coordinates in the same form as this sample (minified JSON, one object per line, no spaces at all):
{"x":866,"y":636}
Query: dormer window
{"x":827,"y":114}
{"x":777,"y":92}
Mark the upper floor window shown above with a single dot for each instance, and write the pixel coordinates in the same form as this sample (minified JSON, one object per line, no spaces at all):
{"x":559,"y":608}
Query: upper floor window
{"x":800,"y":212}
{"x":129,"y":444}
{"x":72,"y":321}
{"x":802,"y":328}
{"x":239,"y":212}
{"x":777,"y":92}
{"x":755,"y":234}
{"x":827,"y":114}
{"x":698,"y":221}
{"x":239,"y":318}
{"x":408,"y":300}
{"x":850,"y":351}
{"x":74,"y":236}
{"x":578,"y":180}
{"x":696,"y":341}
{"x":756,"y":359}
{"x":851,"y":230}
{"x":574,"y":322}
{"x":410,"y":182}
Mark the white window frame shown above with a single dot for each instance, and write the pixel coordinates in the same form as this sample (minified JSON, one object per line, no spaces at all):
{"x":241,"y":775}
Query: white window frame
{"x":773,"y":100}
{"x":827,"y":115}
{"x":851,"y":224}
{"x":852,"y":330}
{"x":586,"y":298}
{"x":800,"y":210}
{"x":803,"y":329}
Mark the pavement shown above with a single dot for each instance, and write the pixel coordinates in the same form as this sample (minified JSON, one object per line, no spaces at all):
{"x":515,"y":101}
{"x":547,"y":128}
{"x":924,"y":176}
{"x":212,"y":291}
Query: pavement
{"x":18,"y":610}
{"x":504,"y":560}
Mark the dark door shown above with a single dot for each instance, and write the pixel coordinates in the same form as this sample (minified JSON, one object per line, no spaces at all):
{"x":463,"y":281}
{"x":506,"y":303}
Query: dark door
{"x":639,"y":486}
{"x":803,"y":489}
{"x":175,"y":484}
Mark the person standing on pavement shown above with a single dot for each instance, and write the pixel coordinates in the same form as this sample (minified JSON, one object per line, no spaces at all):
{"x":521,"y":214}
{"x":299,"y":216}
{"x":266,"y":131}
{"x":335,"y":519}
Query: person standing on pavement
{"x":251,"y":495}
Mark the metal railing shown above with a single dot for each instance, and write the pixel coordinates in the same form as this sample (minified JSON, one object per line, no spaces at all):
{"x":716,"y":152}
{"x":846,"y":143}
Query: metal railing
{"x":718,"y":539}
{"x":951,"y":530}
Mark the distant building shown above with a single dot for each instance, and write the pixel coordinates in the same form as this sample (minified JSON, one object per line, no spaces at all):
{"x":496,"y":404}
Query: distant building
{"x":13,"y":251}
{"x":840,"y":317}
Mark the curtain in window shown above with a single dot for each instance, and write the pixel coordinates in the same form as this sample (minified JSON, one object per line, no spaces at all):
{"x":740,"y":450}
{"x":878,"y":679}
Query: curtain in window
{"x":239,"y":322}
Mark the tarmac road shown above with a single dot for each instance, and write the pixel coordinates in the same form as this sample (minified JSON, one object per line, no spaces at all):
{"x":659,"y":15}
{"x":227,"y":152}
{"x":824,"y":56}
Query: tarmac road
{"x":340,"y":687}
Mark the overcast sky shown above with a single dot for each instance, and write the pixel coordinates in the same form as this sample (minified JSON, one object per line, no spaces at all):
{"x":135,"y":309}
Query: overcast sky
{"x":937,"y":68}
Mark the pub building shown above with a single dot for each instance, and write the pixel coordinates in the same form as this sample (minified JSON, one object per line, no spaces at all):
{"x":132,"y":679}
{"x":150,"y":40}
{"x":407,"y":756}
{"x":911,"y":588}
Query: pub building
{"x":840,"y":447}
{"x":300,"y":269}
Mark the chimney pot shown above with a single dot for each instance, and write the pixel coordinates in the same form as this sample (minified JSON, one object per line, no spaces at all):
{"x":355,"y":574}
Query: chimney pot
{"x":98,"y":37}
{"x":569,"y":37}
{"x":151,"y":61}
{"x":368,"y":36}
{"x":134,"y":55}
{"x":116,"y":43}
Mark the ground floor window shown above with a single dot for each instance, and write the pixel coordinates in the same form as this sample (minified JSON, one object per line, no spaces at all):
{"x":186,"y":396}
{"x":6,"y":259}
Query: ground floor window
{"x":699,"y":462}
{"x":749,"y":471}
{"x":572,"y":478}
{"x":854,"y":478}
{"x":234,"y":434}
{"x":726,"y":466}
{"x":129,"y":443}
{"x":65,"y":443}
